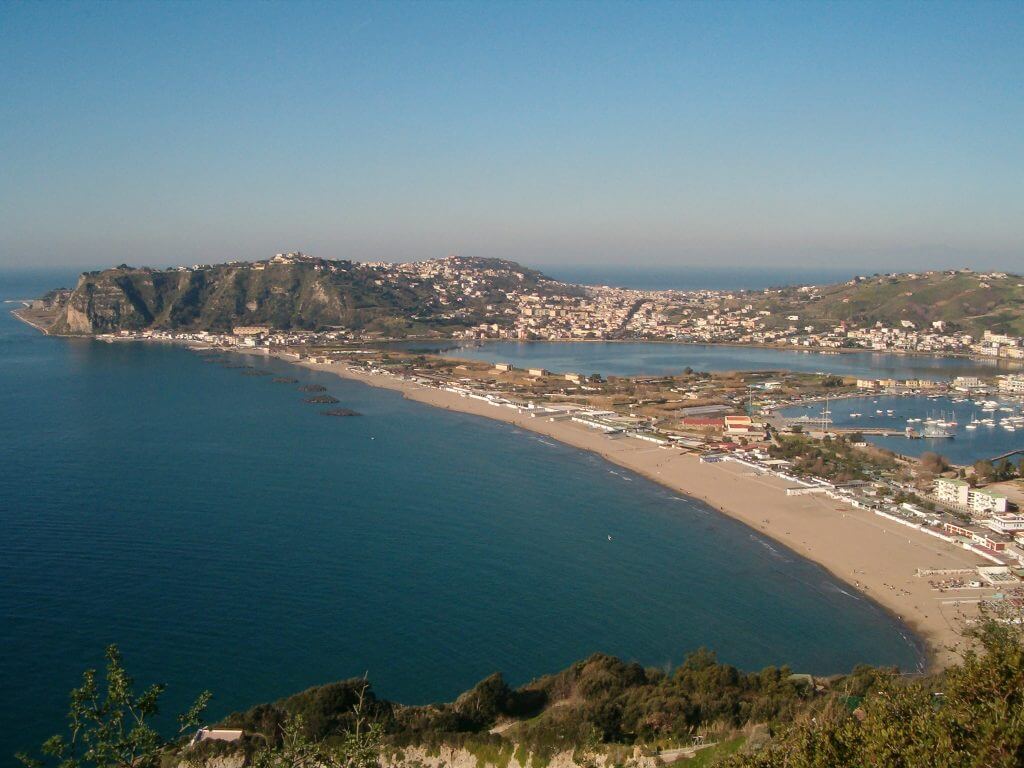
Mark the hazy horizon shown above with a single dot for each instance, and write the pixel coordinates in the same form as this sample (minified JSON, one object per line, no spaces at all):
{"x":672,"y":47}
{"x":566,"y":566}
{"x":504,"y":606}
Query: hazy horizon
{"x":862,"y":137}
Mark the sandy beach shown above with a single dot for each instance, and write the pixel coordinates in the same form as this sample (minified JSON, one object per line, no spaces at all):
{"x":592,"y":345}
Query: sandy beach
{"x":877,"y":557}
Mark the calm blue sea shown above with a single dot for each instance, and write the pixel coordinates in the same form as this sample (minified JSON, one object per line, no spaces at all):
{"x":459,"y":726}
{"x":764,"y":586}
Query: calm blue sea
{"x":230,"y":537}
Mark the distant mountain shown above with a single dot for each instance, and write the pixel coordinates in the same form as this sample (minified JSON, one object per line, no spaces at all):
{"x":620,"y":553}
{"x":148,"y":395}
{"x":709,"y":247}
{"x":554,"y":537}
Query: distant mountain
{"x":294,"y":291}
{"x":967,"y":301}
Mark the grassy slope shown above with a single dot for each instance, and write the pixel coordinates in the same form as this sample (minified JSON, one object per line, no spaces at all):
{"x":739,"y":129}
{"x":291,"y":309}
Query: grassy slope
{"x":963,"y":300}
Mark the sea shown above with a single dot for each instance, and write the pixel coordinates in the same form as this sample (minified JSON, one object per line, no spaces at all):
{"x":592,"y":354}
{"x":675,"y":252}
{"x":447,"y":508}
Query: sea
{"x":229,"y":536}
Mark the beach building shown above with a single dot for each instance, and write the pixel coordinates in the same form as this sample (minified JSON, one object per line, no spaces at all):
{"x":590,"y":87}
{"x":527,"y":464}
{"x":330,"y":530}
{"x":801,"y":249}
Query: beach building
{"x":978,"y":535}
{"x":504,"y":367}
{"x":707,"y":423}
{"x":704,"y":410}
{"x":958,"y":493}
{"x":739,"y":425}
{"x":1009,"y":523}
{"x":250,"y":330}
{"x":538,"y":372}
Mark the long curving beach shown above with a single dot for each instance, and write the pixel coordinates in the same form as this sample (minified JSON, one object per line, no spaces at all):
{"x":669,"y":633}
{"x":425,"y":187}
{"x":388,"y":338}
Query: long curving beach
{"x":878,"y":558}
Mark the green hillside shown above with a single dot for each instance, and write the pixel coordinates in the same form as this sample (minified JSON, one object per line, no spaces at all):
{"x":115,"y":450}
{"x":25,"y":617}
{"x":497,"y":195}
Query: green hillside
{"x":309,"y":294}
{"x":968,"y":301}
{"x":968,"y":716}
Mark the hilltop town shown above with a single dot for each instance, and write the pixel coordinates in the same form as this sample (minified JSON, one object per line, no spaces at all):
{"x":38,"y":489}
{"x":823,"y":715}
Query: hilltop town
{"x":470,"y":298}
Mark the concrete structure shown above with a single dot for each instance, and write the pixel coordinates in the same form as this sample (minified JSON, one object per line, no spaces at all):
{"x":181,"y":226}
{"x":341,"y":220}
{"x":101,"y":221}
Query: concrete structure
{"x":739,"y":425}
{"x":977,"y":535}
{"x":1008,"y":523}
{"x":217,"y":734}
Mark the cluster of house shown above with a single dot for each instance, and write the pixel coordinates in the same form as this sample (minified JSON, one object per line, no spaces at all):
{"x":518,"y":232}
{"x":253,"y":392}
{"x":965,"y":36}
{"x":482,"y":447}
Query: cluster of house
{"x":994,"y":533}
{"x":722,"y":316}
{"x":245,"y":336}
{"x":992,"y":526}
{"x":1000,"y":345}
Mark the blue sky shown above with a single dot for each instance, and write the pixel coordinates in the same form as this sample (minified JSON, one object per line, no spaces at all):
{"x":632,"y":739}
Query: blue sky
{"x":881,"y":135}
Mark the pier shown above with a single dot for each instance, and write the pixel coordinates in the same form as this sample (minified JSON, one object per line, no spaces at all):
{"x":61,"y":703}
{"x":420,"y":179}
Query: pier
{"x":1008,"y":454}
{"x":879,"y":431}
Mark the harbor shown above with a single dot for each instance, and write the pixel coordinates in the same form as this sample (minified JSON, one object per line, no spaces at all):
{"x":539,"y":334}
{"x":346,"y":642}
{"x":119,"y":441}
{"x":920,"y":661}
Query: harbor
{"x":963,"y":429}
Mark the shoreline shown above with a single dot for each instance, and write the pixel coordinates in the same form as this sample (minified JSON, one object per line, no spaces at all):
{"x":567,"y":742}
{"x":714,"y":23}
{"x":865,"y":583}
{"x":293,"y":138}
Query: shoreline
{"x":877,"y":559}
{"x":856,"y":547}
{"x":836,"y":351}
{"x":26,"y":321}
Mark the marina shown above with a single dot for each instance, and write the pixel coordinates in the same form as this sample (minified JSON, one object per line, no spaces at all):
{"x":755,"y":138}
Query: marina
{"x":994,"y":429}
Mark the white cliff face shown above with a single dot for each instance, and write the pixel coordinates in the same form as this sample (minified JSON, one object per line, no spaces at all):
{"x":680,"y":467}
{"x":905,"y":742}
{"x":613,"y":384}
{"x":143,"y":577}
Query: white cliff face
{"x":76,"y":321}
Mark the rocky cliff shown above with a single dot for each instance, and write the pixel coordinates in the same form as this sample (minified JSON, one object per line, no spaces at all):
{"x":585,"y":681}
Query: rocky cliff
{"x":302,"y":293}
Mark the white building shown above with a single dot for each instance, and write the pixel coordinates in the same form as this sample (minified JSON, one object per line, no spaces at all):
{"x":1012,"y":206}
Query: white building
{"x":959,"y":494}
{"x":1006,"y":523}
{"x":1012,"y":384}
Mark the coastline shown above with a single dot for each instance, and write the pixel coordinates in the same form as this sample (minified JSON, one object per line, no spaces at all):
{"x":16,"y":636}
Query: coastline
{"x":37,"y":326}
{"x":877,"y":559}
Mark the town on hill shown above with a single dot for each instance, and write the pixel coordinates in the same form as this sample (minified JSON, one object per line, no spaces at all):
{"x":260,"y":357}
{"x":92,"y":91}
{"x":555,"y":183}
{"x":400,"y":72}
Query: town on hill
{"x":948,"y":312}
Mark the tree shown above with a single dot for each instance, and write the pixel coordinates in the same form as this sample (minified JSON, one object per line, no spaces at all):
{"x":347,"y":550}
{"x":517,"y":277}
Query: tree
{"x":983,"y":470}
{"x":1005,"y":470}
{"x":359,"y":747}
{"x":933,"y":463}
{"x":111,"y":728}
{"x":969,"y":717}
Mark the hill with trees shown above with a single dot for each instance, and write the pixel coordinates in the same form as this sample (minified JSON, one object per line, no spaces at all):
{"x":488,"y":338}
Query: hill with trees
{"x":297,"y":292}
{"x":963,"y":300}
{"x":601,"y":711}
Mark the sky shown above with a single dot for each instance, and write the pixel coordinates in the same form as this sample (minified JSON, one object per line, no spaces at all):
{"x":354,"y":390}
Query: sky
{"x":733,"y":134}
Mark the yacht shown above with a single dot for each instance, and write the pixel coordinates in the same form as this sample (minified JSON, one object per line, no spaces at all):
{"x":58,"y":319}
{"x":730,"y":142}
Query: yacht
{"x":936,"y":428}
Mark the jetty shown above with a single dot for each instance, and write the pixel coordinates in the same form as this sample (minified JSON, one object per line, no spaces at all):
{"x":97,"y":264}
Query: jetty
{"x":1008,"y":454}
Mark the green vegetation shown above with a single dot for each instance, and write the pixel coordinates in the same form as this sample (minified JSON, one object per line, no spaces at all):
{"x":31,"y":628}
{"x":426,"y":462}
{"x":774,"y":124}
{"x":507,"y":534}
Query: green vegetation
{"x":968,"y":717}
{"x":110,"y":726}
{"x":964,"y":301}
{"x":987,"y":472}
{"x":971,"y":715}
{"x":308,"y":294}
{"x":836,"y":459}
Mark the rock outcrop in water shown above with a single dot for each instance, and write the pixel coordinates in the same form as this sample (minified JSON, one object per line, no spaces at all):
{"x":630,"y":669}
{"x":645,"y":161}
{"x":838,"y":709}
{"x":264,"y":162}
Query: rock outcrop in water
{"x":322,"y":400}
{"x":340,"y":412}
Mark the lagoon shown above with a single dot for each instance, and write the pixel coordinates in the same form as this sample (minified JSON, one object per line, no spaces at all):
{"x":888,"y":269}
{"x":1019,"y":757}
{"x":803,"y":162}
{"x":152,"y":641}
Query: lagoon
{"x":634,"y":358}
